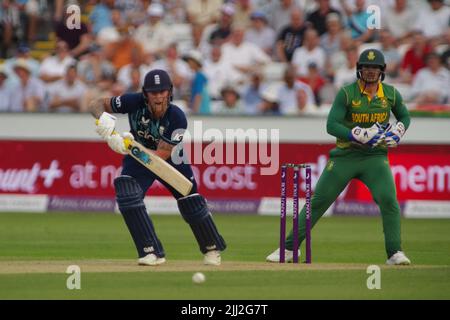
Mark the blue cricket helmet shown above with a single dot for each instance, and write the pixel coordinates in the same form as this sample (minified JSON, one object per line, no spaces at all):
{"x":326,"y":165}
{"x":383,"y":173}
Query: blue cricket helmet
{"x":157,"y":80}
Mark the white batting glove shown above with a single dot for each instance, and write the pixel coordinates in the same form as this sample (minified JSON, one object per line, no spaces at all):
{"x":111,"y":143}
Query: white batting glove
{"x":105,"y":125}
{"x":369,"y":136}
{"x":395,"y":134}
{"x":117,"y":142}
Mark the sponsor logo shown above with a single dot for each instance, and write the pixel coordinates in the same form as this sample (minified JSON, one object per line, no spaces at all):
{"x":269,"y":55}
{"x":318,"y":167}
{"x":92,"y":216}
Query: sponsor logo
{"x":144,"y":121}
{"x":356,"y":103}
{"x":118,"y":102}
{"x":26,"y":180}
{"x":149,"y":249}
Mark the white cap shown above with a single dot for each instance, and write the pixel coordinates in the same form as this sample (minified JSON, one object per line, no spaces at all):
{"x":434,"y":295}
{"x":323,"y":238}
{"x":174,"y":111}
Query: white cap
{"x":194,"y":55}
{"x":23,"y":64}
{"x":155,"y":10}
{"x":228,"y":9}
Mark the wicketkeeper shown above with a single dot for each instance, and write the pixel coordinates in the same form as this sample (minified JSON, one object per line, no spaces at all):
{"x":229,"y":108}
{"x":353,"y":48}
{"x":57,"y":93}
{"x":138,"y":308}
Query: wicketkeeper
{"x":158,"y":125}
{"x":359,"y":119}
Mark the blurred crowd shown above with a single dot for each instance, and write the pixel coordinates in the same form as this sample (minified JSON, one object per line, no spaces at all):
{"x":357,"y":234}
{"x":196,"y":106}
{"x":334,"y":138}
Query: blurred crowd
{"x":241,"y":57}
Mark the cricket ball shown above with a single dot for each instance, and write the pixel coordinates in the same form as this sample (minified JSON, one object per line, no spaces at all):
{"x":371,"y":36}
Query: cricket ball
{"x":198,"y":277}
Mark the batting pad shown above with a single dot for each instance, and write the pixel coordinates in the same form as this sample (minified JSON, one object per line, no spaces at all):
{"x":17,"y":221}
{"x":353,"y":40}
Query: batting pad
{"x":195,"y":212}
{"x":129,"y":197}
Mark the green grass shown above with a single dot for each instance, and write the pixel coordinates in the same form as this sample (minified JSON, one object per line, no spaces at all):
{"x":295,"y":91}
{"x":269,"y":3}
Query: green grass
{"x":338,"y":240}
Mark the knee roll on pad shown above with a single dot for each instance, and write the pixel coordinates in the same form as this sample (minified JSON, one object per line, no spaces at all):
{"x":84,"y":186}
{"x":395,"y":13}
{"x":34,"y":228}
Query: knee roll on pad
{"x":195,"y":212}
{"x":129,"y":196}
{"x":128,"y":192}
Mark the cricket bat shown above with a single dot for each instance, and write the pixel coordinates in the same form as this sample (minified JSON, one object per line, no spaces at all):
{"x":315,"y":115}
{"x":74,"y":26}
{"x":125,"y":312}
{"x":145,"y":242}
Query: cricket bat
{"x":159,"y":167}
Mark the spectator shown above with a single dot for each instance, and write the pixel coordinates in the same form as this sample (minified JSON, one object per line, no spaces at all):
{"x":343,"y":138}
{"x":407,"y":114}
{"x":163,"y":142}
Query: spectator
{"x":434,"y":20}
{"x":154,"y":36}
{"x":199,"y":102}
{"x":197,"y":37}
{"x":291,"y":37}
{"x":121,"y":52}
{"x":446,"y":51}
{"x":398,"y":19}
{"x":346,"y":74}
{"x":133,"y":12}
{"x":431,"y":85}
{"x":203,"y":12}
{"x":30,"y":95}
{"x":100,"y":17}
{"x":111,"y":33}
{"x":66,"y":94}
{"x":124,"y":73}
{"x":135,"y":81}
{"x":78,"y":40}
{"x":280,"y":12}
{"x":53,"y":68}
{"x":339,"y":58}
{"x":251,"y":95}
{"x":231,"y":104}
{"x":243,"y":10}
{"x":330,"y":40}
{"x":178,"y":70}
{"x":103,"y":88}
{"x":93,"y":66}
{"x":9,"y":26}
{"x":219,"y":72}
{"x":260,"y":33}
{"x":243,"y":56}
{"x":318,"y":18}
{"x":218,"y":34}
{"x":315,"y":81}
{"x":287,"y":95}
{"x":269,"y":105}
{"x":7,"y":92}
{"x":309,"y":53}
{"x":357,"y":21}
{"x":31,"y":12}
{"x":23,"y":53}
{"x":302,"y":102}
{"x":175,"y":11}
{"x":147,"y":64}
{"x":391,"y":55}
{"x":414,"y":58}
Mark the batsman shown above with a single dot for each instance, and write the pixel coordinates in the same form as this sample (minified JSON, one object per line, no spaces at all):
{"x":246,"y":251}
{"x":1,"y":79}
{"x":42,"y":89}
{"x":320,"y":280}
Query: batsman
{"x":359,"y":119}
{"x":158,"y":125}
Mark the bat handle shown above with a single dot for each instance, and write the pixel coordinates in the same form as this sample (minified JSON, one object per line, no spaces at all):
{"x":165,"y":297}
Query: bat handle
{"x":127,"y":143}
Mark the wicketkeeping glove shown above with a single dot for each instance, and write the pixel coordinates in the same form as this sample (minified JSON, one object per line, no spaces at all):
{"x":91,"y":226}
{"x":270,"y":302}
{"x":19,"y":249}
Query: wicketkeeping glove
{"x":105,"y":125}
{"x":394,"y":134}
{"x":117,"y":143}
{"x":369,"y":136}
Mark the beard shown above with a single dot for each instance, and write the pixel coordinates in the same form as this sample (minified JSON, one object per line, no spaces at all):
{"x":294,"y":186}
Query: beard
{"x":370,"y":76}
{"x":158,"y":107}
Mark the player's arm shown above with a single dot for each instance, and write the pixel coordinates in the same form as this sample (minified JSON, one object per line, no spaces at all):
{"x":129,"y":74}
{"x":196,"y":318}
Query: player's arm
{"x":164,"y":150}
{"x":97,"y":106}
{"x":400,"y":111}
{"x":336,"y":117}
{"x":172,"y":135}
{"x":102,"y":108}
{"x":395,"y":133}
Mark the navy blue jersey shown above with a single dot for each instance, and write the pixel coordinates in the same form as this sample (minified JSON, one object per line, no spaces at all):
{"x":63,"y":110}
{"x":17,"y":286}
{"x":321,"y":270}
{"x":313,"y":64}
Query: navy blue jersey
{"x":146,"y":130}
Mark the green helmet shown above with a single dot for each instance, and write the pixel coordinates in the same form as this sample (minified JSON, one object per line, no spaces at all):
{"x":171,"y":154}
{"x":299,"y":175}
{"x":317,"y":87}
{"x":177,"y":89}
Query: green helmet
{"x":372,"y":57}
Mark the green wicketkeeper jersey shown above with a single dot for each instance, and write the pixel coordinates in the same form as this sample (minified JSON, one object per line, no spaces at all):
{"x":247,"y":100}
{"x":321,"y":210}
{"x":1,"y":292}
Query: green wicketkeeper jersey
{"x":352,"y":107}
